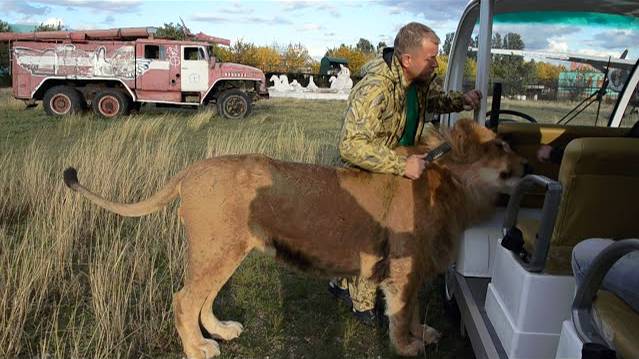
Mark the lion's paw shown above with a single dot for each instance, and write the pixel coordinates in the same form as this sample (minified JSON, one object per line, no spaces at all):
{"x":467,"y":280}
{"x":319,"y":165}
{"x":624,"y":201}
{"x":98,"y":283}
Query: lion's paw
{"x":432,"y":336}
{"x":412,"y":348}
{"x":207,"y":349}
{"x":228,"y":330}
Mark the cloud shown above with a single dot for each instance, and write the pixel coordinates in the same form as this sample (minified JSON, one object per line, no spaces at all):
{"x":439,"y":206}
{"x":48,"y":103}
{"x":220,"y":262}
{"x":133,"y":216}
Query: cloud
{"x":292,"y":6}
{"x":557,"y":45}
{"x":85,"y":27}
{"x":536,"y":36}
{"x":277,"y":20}
{"x":109,"y":20}
{"x":236,"y":9}
{"x":394,"y":10}
{"x":54,"y":21}
{"x":617,"y":39}
{"x":24,"y":8}
{"x":311,"y":27}
{"x":96,"y":5}
{"x":432,"y":9}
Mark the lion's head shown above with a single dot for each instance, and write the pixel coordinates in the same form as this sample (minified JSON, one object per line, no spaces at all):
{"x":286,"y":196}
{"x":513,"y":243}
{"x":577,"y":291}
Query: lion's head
{"x":480,"y":155}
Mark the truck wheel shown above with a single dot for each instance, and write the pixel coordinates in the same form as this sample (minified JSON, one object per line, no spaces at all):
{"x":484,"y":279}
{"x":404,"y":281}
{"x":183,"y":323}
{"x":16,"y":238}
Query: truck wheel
{"x":111,"y":103}
{"x":234,"y":104}
{"x":62,"y":100}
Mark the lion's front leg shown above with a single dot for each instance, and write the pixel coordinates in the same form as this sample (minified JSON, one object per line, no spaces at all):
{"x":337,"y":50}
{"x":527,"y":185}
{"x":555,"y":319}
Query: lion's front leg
{"x":427,"y":334}
{"x":400,"y":313}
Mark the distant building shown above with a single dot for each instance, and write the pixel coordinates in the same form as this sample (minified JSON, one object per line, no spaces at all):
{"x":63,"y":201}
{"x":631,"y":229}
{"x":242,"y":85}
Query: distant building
{"x":579,"y":84}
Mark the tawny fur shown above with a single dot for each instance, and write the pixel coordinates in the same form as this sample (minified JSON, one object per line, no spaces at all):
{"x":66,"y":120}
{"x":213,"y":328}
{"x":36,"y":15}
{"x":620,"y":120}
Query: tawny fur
{"x":333,"y":221}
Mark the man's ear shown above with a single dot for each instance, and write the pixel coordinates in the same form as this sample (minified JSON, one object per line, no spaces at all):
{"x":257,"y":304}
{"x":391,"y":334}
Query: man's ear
{"x":405,"y":60}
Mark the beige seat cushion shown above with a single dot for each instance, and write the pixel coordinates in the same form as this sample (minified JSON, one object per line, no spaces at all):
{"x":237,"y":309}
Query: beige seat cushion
{"x":619,"y":323}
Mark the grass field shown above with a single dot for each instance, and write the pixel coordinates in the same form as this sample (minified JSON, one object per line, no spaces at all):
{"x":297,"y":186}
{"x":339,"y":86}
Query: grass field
{"x":79,"y":282}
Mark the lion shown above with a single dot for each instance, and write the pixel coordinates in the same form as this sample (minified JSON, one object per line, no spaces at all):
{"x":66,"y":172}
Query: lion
{"x":327,"y":220}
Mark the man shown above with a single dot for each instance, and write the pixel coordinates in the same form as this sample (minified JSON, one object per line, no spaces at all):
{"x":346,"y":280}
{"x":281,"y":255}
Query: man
{"x":384,"y":111}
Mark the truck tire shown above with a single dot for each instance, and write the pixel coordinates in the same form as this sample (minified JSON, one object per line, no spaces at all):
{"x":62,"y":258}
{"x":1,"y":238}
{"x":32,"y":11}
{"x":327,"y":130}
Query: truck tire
{"x":111,"y":103}
{"x":62,"y":100}
{"x":234,"y":104}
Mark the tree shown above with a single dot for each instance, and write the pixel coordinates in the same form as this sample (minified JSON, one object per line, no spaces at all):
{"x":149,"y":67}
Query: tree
{"x":511,"y":70}
{"x":448,"y":43}
{"x":548,"y":73}
{"x":171,"y":32}
{"x":474,"y":42}
{"x":513,"y":41}
{"x":268,"y":59}
{"x":244,"y":53}
{"x":222,"y":53}
{"x":4,"y":26}
{"x":5,"y":78}
{"x":48,"y":27}
{"x":381,"y":45}
{"x":296,"y":58}
{"x":496,"y":42}
{"x":365,"y":46}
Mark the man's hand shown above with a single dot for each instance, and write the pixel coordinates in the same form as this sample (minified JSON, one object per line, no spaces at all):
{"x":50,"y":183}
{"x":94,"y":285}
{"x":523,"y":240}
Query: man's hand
{"x":415,"y":165}
{"x":543,"y":153}
{"x":471,"y":100}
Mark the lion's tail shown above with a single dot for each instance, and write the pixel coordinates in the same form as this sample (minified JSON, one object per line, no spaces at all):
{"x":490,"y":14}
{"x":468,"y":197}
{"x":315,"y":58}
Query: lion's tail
{"x":165,"y":195}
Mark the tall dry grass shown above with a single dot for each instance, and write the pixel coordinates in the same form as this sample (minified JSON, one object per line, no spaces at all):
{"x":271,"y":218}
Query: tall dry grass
{"x":77,"y":281}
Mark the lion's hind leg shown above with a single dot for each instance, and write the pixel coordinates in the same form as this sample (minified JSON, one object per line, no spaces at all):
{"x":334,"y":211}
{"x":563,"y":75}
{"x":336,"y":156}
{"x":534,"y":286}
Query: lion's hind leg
{"x":186,"y":321}
{"x":212,"y":259}
{"x":194,"y":305}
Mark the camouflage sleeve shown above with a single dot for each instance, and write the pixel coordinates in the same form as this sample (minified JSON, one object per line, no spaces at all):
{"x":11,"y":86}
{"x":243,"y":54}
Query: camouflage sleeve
{"x":361,"y":124}
{"x":439,"y":101}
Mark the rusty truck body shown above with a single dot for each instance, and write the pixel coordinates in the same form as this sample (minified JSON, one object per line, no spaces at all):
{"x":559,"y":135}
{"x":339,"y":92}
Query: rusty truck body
{"x":113,"y":71}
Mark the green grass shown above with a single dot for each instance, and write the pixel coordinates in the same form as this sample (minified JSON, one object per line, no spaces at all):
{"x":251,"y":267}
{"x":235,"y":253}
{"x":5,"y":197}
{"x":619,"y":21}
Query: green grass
{"x":77,"y":281}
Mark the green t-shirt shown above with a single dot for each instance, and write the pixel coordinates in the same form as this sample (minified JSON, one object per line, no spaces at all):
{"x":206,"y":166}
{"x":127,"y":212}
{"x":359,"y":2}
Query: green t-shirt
{"x":412,"y":109}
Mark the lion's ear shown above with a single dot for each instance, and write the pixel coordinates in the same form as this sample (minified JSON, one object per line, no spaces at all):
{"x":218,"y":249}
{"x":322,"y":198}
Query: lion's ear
{"x":474,"y":130}
{"x":484,"y":134}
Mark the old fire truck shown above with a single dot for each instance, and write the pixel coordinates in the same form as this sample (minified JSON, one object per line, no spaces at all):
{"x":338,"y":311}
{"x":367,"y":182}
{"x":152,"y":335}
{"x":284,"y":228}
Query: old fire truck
{"x":114,"y":71}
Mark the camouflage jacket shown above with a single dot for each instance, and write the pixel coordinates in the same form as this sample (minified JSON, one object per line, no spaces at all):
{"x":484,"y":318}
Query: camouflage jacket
{"x":376,"y":115}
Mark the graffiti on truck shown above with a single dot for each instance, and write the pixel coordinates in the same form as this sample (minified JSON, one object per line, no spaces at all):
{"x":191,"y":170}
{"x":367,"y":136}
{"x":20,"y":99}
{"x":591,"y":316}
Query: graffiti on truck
{"x":68,"y":60}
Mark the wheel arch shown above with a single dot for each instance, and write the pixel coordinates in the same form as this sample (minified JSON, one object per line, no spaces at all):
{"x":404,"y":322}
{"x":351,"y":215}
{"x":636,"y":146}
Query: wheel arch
{"x":221,"y":84}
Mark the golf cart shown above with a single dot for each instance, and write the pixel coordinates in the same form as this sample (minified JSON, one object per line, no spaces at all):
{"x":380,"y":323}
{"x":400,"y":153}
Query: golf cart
{"x":512,"y":282}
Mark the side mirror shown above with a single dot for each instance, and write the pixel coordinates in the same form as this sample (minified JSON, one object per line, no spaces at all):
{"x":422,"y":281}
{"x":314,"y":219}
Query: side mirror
{"x":212,"y":62}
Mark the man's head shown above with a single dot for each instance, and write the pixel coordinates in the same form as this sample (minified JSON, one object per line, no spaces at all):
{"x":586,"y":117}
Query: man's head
{"x":417,"y":45}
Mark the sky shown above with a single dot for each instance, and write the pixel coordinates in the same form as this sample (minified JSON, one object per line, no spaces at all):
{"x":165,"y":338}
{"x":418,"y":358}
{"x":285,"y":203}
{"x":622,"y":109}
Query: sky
{"x":318,"y":25}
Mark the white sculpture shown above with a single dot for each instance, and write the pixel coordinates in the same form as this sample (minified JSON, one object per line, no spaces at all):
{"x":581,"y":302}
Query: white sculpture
{"x":296,"y":86}
{"x":311,"y":87}
{"x":333,"y":81}
{"x":342,"y":82}
{"x":280,"y":84}
{"x":339,"y":88}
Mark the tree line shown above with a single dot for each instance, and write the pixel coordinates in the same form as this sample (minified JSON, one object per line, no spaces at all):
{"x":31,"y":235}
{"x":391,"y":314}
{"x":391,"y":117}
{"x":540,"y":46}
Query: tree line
{"x":295,"y":58}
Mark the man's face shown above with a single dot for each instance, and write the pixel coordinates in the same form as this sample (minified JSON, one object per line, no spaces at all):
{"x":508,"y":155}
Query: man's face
{"x":421,"y":62}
